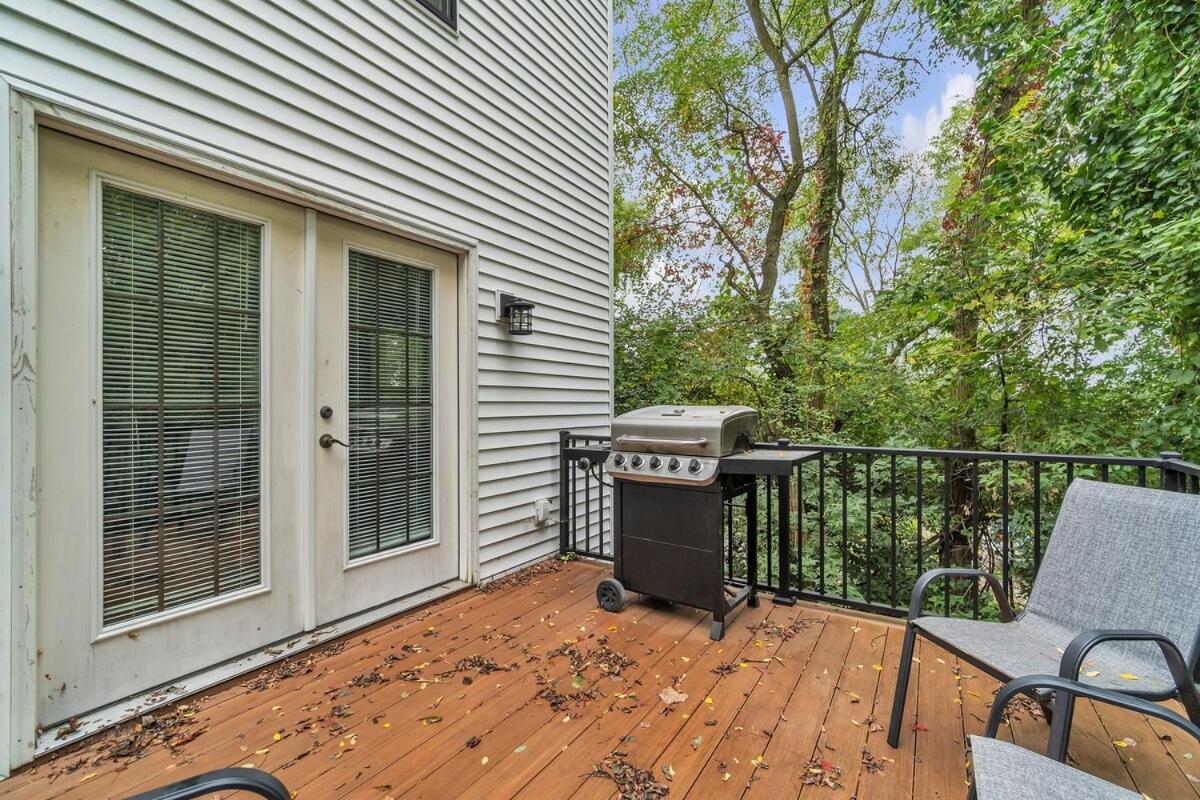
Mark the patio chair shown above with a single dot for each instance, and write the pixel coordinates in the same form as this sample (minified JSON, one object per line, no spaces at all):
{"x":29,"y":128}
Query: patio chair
{"x":218,"y":782}
{"x":1005,"y":771}
{"x":1122,"y":570}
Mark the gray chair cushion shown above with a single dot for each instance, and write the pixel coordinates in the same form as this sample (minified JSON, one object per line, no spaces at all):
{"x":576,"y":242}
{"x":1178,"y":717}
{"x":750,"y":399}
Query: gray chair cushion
{"x":1034,"y":646}
{"x":1004,"y":771}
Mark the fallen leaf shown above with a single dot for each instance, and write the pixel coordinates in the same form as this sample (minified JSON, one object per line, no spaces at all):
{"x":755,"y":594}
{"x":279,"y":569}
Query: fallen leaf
{"x":1129,"y":676}
{"x":696,"y":742}
{"x":432,"y":719}
{"x":920,"y":727}
{"x":671,"y":696}
{"x":483,"y":760}
{"x":668,"y":772}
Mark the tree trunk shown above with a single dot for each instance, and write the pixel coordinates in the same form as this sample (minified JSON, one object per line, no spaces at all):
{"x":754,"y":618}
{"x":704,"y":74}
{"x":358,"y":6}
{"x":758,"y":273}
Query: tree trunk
{"x":963,"y":239}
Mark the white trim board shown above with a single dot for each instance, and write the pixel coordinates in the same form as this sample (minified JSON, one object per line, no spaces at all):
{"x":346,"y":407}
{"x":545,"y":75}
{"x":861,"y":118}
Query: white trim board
{"x":18,"y":543}
{"x":107,"y":716}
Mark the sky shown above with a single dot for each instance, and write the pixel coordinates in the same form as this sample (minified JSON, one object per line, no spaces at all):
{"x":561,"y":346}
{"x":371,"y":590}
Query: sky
{"x":921,"y":116}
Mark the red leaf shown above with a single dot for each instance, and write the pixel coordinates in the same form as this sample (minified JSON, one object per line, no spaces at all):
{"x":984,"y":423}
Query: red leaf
{"x":920,"y":727}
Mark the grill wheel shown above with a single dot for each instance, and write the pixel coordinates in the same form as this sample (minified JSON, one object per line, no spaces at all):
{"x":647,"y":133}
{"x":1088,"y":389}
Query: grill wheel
{"x":610,"y":595}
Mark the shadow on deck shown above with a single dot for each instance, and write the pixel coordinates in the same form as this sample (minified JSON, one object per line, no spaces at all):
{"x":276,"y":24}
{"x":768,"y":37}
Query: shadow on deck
{"x":525,"y":690}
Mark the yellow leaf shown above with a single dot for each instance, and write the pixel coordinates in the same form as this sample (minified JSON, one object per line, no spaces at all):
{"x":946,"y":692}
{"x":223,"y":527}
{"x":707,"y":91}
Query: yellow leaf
{"x":483,"y":760}
{"x":88,"y":777}
{"x":726,"y":776}
{"x":1129,"y":676}
{"x":277,"y":736}
{"x":262,"y":752}
{"x":1093,"y":673}
{"x":878,"y":667}
{"x":708,"y":701}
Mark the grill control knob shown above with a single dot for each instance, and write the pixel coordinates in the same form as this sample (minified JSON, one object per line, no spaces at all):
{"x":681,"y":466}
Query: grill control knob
{"x":636,"y":462}
{"x":694,"y":466}
{"x":618,"y":460}
{"x":655,"y":462}
{"x":673,"y":465}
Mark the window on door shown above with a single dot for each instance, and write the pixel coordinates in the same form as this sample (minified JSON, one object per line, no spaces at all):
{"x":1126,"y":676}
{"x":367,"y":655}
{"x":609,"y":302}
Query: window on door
{"x":181,"y":404}
{"x":391,"y":405}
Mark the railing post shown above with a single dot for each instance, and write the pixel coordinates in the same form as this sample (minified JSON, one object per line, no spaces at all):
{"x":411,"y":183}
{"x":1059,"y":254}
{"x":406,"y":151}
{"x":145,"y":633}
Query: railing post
{"x":784,"y":595}
{"x":1172,"y":480}
{"x":564,"y":519}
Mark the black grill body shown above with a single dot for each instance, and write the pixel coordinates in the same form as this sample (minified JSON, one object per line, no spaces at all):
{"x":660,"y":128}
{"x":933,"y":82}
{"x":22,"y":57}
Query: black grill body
{"x":669,"y":543}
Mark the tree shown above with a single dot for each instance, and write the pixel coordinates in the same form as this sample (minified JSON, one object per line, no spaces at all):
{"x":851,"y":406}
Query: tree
{"x":743,"y":116}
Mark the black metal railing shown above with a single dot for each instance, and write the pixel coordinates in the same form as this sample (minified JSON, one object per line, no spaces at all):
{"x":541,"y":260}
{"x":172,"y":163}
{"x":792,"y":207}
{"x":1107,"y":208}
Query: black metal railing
{"x":864,"y":522}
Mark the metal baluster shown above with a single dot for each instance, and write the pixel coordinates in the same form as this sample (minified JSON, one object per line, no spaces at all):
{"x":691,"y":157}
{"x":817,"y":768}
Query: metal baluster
{"x":893,"y":532}
{"x":821,"y":518}
{"x":867,"y":592}
{"x":920,"y":514}
{"x":769,"y":529}
{"x":975,"y":535}
{"x":564,"y":542}
{"x":944,"y":557}
{"x":1005,"y":557}
{"x":587,"y":510}
{"x":845,"y":525}
{"x":800,"y":528}
{"x":1037,"y":515}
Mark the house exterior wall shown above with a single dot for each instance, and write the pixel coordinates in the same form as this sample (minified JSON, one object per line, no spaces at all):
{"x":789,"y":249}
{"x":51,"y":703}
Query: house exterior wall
{"x":497,"y":132}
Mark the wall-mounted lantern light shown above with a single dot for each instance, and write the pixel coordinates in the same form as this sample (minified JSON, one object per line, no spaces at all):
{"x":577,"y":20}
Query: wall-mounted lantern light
{"x":516,"y":312}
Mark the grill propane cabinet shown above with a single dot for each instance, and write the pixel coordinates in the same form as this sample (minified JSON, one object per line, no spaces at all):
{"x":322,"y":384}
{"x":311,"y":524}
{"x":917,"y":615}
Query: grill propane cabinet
{"x":669,"y":491}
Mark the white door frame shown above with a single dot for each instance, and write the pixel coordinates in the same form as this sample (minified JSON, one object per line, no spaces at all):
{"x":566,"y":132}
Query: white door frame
{"x":23,"y":107}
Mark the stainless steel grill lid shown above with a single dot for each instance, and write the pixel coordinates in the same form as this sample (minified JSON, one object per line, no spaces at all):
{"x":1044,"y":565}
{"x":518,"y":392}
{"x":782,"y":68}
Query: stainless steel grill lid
{"x":712,"y":431}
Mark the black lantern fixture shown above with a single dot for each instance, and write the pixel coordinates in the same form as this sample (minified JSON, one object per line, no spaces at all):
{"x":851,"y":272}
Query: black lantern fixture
{"x":517,"y":313}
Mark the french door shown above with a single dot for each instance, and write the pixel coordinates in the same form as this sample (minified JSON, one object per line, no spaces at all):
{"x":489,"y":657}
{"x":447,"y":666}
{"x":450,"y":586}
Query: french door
{"x":172,"y":418}
{"x":386,"y":378}
{"x":167,"y":535}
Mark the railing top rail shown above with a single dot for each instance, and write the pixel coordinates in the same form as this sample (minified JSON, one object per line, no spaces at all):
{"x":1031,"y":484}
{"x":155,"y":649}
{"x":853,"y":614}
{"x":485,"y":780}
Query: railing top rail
{"x":1186,"y":467}
{"x":982,"y":455}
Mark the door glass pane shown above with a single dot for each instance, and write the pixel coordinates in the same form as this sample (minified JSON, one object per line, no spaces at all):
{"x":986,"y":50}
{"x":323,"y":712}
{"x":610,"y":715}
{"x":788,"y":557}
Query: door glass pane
{"x":391,"y":405}
{"x":180,"y":437}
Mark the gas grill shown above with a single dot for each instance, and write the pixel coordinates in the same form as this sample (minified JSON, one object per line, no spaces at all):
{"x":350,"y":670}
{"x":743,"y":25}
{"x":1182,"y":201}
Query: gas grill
{"x":674,"y":468}
{"x":668,"y":494}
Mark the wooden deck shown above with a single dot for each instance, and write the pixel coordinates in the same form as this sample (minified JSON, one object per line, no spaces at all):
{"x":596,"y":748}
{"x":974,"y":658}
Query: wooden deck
{"x":476,"y":696}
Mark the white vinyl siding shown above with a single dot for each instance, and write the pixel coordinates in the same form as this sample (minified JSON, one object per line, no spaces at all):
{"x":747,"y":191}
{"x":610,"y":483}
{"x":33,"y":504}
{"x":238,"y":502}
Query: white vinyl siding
{"x":391,"y":404}
{"x":499,"y":131}
{"x":180,"y":417}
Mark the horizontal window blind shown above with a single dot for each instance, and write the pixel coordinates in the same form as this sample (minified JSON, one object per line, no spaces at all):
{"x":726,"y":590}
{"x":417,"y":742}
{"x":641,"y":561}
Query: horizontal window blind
{"x":181,"y":417}
{"x":391,"y":404}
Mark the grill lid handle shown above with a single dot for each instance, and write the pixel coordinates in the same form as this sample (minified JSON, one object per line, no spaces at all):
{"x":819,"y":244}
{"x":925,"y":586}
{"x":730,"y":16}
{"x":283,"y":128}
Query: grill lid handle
{"x":630,"y":439}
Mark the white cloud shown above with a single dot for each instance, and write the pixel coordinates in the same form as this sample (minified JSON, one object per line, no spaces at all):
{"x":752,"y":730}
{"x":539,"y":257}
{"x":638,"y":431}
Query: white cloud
{"x":917,"y":132}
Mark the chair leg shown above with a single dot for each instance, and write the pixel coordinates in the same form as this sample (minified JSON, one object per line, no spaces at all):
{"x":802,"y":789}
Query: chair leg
{"x":1060,"y":726}
{"x":1190,"y":697}
{"x":898,"y":700}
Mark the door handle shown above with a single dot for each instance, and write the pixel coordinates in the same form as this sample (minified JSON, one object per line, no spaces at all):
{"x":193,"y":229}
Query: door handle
{"x":327,"y":441}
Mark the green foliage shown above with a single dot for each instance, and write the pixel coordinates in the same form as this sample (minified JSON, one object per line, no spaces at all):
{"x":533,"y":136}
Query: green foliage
{"x":1035,"y":272}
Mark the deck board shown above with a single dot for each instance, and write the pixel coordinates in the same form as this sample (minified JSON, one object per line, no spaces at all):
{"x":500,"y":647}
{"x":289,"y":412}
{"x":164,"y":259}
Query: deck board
{"x":787,"y":684}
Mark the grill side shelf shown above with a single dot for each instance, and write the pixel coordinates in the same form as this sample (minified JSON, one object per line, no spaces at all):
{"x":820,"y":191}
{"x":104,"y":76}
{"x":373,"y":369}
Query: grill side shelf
{"x":765,"y":462}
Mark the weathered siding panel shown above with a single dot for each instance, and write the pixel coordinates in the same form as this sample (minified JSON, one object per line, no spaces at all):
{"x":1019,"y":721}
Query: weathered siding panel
{"x":499,"y":132}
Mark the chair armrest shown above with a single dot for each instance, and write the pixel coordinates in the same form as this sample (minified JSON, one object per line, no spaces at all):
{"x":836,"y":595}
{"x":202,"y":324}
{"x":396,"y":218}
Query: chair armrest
{"x":218,"y":781}
{"x":1077,"y":651}
{"x":923,"y":583}
{"x":1065,"y":686}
